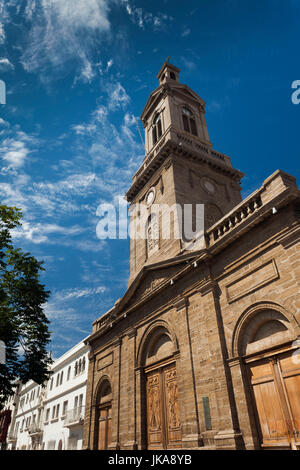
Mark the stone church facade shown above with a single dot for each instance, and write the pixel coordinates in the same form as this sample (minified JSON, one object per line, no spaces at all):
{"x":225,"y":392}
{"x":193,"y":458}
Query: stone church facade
{"x":203,"y":349}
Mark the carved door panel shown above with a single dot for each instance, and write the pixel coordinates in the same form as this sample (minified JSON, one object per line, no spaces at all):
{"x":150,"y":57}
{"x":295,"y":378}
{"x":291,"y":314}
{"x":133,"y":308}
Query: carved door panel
{"x":104,"y":428}
{"x":163,"y":416}
{"x":276,"y":387}
{"x":154,"y":411}
{"x":173,"y":427}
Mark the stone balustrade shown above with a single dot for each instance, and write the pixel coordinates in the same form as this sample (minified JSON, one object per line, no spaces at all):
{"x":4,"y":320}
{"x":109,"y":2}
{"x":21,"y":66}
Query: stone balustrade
{"x":234,"y":218}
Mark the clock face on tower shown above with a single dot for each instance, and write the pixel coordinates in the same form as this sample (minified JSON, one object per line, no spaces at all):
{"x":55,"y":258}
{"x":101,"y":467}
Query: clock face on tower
{"x":150,"y":197}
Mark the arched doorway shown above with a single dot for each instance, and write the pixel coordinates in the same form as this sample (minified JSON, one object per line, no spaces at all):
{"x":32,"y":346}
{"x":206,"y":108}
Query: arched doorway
{"x":272,"y":357}
{"x":103,"y":416}
{"x":161,"y":391}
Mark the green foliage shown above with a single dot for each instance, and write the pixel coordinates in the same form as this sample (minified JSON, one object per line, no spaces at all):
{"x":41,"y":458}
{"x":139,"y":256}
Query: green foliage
{"x":23,"y":324}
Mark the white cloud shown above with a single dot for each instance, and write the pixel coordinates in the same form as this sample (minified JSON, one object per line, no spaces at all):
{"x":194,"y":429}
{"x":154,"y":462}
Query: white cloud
{"x":2,"y":19}
{"x":117,"y":96}
{"x":39,"y":233}
{"x":87,"y":72}
{"x":4,"y":123}
{"x":186,"y":32}
{"x":109,"y":64}
{"x":62,"y":31}
{"x":68,"y":294}
{"x":143,"y":18}
{"x":2,"y":34}
{"x":188,"y":64}
{"x":14,"y":150}
{"x":5,"y":64}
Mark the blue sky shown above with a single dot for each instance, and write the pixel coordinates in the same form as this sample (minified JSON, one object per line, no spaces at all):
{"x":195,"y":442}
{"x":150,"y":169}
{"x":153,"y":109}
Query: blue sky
{"x":78,"y":71}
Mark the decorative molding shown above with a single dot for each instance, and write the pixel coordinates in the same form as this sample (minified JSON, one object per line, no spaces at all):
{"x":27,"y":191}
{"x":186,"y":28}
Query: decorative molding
{"x":132,"y":333}
{"x":207,"y":287}
{"x":180,"y":303}
{"x":105,"y":361}
{"x":248,"y":282}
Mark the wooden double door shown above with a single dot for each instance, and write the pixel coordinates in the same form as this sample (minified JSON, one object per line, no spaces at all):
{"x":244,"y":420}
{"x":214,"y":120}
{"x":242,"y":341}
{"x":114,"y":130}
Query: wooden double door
{"x":163,"y":414}
{"x":104,"y":427}
{"x":276,"y":387}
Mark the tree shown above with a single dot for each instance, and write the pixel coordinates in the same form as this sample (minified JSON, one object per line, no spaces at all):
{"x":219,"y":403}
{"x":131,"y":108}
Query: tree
{"x":23,"y":324}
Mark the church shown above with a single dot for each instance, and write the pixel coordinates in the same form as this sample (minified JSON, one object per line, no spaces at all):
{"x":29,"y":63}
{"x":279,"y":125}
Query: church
{"x":203,"y":349}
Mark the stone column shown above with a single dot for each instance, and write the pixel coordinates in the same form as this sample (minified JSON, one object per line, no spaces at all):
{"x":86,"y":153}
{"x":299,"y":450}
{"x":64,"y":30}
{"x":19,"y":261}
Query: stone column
{"x":130,"y":390}
{"x":141,"y":425}
{"x":244,"y":403}
{"x":116,"y":404}
{"x":228,"y":435}
{"x":89,"y":419}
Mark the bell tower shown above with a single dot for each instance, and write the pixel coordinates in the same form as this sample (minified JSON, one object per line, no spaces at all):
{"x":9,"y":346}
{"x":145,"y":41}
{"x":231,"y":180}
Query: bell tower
{"x":180,"y":168}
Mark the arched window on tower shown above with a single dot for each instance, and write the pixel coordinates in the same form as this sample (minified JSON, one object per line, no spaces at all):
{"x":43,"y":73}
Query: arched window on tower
{"x":152,"y":234}
{"x":189,"y":122}
{"x":156,"y":128}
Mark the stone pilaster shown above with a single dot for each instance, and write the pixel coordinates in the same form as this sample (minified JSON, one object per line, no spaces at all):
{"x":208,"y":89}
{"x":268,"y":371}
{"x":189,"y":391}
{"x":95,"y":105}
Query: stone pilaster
{"x":191,"y":434}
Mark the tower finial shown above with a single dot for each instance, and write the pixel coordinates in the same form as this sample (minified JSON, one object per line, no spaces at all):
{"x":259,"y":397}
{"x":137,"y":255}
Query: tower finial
{"x":167,"y":59}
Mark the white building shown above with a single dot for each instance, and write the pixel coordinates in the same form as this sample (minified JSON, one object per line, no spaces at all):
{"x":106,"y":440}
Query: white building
{"x":51,"y":418}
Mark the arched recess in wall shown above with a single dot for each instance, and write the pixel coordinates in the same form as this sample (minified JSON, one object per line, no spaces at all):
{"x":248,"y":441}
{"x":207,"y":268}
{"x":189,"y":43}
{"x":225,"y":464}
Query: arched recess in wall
{"x":152,"y":235}
{"x":158,"y":342}
{"x":160,"y":409}
{"x":264,"y":338}
{"x":262,"y":326}
{"x":212,"y":213}
{"x":103,"y":411}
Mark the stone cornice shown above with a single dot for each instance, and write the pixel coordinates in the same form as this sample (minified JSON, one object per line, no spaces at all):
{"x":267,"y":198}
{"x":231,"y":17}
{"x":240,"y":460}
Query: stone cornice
{"x":177,"y":142}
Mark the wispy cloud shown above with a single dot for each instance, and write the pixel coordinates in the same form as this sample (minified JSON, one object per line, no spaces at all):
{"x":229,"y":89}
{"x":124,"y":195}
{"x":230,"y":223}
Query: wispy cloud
{"x":186,"y":32}
{"x":117,"y":96}
{"x":145,"y":18}
{"x":15,"y":148}
{"x":5,"y":63}
{"x":64,"y":31}
{"x":39,"y":233}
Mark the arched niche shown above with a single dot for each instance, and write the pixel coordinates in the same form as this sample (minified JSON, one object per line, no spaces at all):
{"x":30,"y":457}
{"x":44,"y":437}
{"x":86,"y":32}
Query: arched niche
{"x":158,"y":343}
{"x":104,"y":392}
{"x":262,"y":327}
{"x":103,"y":414}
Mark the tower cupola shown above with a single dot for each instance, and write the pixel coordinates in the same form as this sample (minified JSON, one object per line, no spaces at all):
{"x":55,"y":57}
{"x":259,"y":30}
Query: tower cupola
{"x":168,"y":72}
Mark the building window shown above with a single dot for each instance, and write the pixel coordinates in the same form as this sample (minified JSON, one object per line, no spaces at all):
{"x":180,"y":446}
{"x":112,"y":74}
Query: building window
{"x":65,"y":408}
{"x":76,"y":369}
{"x":189,"y":122}
{"x":83,"y":364}
{"x":51,"y":384}
{"x":80,"y":400}
{"x":69,"y":373}
{"x":61,"y":378}
{"x":156,"y":128}
{"x":47,"y":414}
